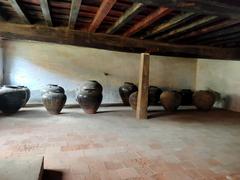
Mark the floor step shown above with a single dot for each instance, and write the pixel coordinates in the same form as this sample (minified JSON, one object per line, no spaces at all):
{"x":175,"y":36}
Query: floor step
{"x":22,"y":168}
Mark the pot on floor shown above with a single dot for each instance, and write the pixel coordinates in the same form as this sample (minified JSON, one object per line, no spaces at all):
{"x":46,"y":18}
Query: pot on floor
{"x":186,"y":96}
{"x":170,"y":100}
{"x":12,"y":98}
{"x":126,"y":90}
{"x":133,"y":100}
{"x":204,"y":100}
{"x":90,"y":96}
{"x":53,"y":98}
{"x":154,"y":95}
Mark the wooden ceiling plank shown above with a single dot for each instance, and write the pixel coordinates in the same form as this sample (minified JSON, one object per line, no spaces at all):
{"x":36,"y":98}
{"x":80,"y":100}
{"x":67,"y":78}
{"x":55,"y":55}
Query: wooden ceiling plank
{"x":111,"y":42}
{"x":222,"y":39}
{"x":75,"y":7}
{"x":188,"y":27}
{"x":156,"y":15}
{"x":212,"y":35}
{"x":170,"y":24}
{"x":19,"y":11}
{"x":208,"y":29}
{"x":102,"y":12}
{"x":126,"y":17}
{"x":213,"y":7}
{"x":46,"y":12}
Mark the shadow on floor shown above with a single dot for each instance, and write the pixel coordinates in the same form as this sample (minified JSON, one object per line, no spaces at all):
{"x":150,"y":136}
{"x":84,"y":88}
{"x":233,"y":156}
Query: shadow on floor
{"x":52,"y":175}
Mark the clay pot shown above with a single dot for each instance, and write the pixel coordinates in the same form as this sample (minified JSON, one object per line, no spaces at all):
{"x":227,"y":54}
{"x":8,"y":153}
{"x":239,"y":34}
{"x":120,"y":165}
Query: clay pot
{"x":90,"y":96}
{"x":186,"y":96}
{"x":12,"y":98}
{"x":52,"y":88}
{"x":28,"y":94}
{"x":154,"y":95}
{"x":126,"y":90}
{"x":54,"y":98}
{"x":204,"y":100}
{"x":170,"y":100}
{"x":133,"y":100}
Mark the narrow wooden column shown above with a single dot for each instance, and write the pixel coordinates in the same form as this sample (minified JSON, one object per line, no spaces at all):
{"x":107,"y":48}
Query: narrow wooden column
{"x":142,"y":100}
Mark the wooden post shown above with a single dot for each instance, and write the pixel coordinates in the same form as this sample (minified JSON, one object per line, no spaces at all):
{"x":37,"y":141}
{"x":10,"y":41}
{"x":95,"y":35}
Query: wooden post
{"x":142,"y":100}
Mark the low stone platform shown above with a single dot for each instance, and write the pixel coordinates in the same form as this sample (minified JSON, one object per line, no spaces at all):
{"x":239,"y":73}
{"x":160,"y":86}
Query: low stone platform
{"x":29,"y":168}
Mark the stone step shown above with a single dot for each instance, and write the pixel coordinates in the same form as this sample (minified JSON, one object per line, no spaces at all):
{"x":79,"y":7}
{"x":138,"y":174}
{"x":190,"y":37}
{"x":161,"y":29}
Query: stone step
{"x":22,"y":168}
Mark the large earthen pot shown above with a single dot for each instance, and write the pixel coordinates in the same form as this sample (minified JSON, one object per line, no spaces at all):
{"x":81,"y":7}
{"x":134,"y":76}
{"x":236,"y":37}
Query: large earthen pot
{"x":186,"y":96}
{"x":133,"y":100}
{"x":170,"y":100}
{"x":204,"y":100}
{"x":28,"y":94}
{"x":154,"y":95}
{"x":12,"y":98}
{"x":52,"y":88}
{"x":53,"y":98}
{"x":126,"y":90}
{"x":90,"y":96}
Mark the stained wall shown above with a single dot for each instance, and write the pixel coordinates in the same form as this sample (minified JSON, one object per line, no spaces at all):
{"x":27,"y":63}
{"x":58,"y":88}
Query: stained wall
{"x":36,"y":64}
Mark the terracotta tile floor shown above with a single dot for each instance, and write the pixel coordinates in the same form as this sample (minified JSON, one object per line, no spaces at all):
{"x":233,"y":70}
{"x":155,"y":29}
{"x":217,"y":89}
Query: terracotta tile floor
{"x":114,"y":145}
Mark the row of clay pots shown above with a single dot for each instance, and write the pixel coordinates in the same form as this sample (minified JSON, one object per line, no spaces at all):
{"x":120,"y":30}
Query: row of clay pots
{"x":171,"y":100}
{"x":153,"y":94}
{"x":89,"y":97}
{"x":128,"y":88}
{"x":12,"y":98}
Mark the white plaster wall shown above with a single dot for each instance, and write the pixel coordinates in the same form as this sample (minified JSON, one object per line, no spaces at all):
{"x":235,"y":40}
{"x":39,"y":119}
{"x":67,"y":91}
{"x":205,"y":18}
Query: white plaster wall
{"x":36,"y":64}
{"x":223,"y":77}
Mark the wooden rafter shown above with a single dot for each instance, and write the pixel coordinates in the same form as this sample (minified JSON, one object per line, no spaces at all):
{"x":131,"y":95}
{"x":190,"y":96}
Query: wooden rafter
{"x":214,"y":35}
{"x":188,"y":27}
{"x":112,"y":42}
{"x":75,"y":7}
{"x":211,"y":7}
{"x":223,"y":39}
{"x":46,"y":12}
{"x":168,"y":25}
{"x":102,"y":12}
{"x":19,"y":11}
{"x":208,"y":29}
{"x":156,"y":15}
{"x":126,"y":17}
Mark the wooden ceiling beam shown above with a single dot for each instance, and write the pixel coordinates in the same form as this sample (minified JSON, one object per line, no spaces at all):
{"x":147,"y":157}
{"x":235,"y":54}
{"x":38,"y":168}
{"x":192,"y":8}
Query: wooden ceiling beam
{"x":213,"y":7}
{"x":223,"y":39}
{"x":126,"y":17}
{"x":102,"y":12}
{"x":111,"y":42}
{"x":156,"y":15}
{"x":200,"y":22}
{"x":19,"y":11}
{"x":206,"y":30}
{"x":46,"y":12}
{"x":170,"y":24}
{"x":75,"y":7}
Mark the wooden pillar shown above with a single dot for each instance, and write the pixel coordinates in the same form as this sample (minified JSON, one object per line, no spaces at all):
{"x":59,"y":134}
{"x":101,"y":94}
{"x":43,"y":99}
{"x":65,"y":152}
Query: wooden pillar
{"x":142,"y":100}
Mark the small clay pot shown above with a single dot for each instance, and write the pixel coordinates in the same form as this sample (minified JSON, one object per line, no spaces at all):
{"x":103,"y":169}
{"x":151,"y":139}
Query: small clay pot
{"x":133,"y":100}
{"x":186,"y":96}
{"x":154,"y":95}
{"x":52,"y":88}
{"x":53,"y":98}
{"x":170,"y":100}
{"x":204,"y":100}
{"x":126,"y":90}
{"x":12,"y":98}
{"x":90,"y":97}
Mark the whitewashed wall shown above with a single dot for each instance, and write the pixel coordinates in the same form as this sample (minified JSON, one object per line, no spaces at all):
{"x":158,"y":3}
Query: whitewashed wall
{"x":36,"y":64}
{"x":223,"y":77}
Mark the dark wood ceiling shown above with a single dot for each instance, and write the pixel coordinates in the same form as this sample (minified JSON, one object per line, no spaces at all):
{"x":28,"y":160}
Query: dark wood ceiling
{"x":152,"y":22}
